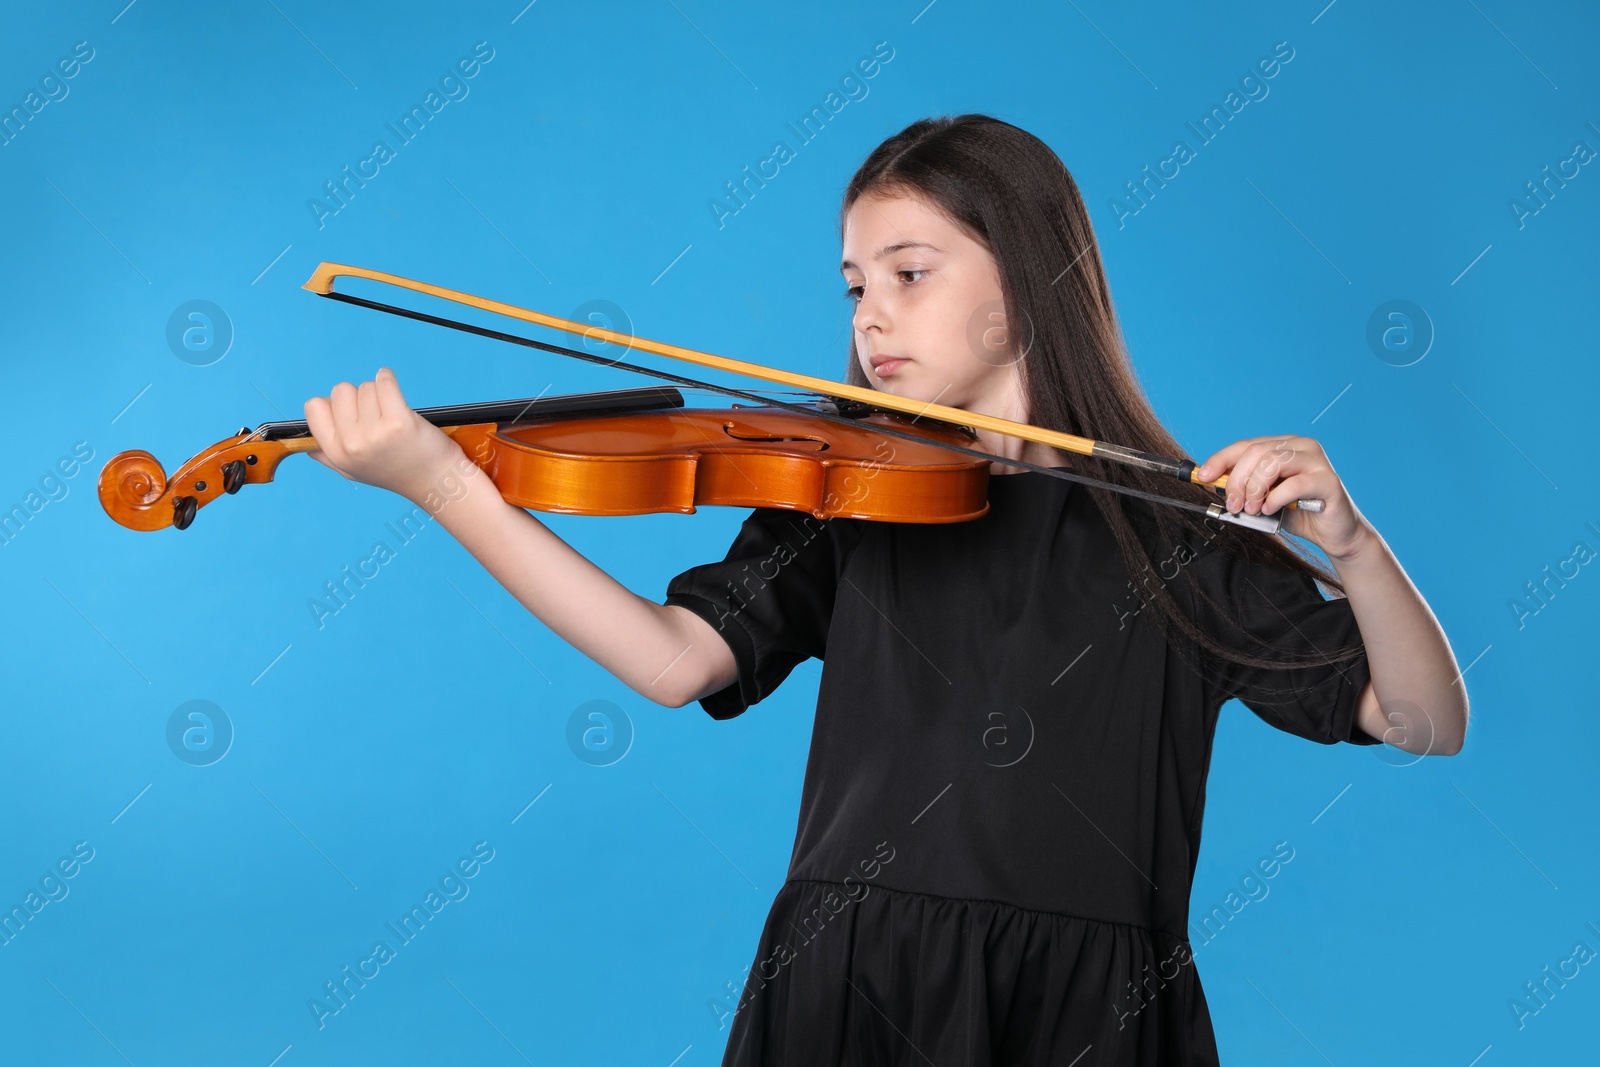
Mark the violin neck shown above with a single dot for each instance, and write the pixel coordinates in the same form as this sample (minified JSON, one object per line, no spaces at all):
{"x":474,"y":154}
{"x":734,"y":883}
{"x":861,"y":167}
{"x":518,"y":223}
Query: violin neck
{"x":513,"y":412}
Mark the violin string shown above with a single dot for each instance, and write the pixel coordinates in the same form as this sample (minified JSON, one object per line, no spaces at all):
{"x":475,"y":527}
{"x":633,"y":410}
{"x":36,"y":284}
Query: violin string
{"x":499,"y":335}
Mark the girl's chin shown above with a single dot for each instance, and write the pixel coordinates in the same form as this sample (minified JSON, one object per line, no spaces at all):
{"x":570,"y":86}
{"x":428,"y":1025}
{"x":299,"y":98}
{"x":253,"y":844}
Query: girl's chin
{"x":916,"y":394}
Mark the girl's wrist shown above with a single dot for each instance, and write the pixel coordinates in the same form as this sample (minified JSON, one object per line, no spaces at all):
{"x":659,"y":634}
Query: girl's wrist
{"x":443,"y":481}
{"x":1361,"y":545}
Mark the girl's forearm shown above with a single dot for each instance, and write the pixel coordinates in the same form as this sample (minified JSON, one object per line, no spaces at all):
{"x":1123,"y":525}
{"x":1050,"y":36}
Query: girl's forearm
{"x":1414,"y":671}
{"x":647,"y":645}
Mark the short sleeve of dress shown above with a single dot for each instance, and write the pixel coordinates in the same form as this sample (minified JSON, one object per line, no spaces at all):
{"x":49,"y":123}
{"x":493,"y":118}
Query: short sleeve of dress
{"x":1287,"y":611}
{"x":771,"y":598}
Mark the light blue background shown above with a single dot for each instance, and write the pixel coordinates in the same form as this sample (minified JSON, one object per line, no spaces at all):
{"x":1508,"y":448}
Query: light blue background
{"x":425,"y":717}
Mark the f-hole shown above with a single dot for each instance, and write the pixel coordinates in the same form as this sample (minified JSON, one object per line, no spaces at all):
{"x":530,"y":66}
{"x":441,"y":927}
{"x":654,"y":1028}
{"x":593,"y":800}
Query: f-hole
{"x":733,"y":431}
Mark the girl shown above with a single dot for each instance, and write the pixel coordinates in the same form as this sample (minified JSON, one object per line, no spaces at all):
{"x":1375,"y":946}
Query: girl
{"x":1003,"y":800}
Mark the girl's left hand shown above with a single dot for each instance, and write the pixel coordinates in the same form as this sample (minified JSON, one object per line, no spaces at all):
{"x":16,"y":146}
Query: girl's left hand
{"x":1265,"y":473}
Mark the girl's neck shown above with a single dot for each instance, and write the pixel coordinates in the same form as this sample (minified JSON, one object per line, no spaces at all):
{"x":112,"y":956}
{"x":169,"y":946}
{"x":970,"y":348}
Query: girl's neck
{"x":1014,"y":408}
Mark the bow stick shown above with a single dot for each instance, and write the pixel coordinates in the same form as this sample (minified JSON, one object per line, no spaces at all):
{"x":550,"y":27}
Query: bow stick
{"x":322,"y":281}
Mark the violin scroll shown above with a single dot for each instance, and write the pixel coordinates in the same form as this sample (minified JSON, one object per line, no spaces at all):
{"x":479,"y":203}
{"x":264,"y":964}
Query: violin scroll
{"x":136,"y":492}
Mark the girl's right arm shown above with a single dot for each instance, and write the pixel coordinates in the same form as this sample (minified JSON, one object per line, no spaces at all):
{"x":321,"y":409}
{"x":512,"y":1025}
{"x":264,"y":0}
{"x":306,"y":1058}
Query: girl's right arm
{"x":663,"y":652}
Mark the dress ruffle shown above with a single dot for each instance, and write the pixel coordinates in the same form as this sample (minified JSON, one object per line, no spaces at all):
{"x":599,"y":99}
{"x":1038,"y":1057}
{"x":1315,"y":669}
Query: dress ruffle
{"x":862,"y":974}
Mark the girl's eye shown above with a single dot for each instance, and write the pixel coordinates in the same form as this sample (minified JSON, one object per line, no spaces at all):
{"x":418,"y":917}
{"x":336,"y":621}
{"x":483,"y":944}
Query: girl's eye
{"x":854,"y":292}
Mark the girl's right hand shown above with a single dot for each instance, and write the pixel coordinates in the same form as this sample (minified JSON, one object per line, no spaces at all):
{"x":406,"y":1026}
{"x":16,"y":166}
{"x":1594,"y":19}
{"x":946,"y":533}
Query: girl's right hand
{"x":371,"y":435}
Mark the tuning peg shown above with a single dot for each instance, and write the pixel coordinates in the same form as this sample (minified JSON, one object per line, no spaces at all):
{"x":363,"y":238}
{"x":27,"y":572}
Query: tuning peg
{"x":232,"y":475}
{"x":183,"y":509}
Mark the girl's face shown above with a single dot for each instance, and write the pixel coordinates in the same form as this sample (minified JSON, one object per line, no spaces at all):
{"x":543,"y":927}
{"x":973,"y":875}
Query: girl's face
{"x":927,"y":297}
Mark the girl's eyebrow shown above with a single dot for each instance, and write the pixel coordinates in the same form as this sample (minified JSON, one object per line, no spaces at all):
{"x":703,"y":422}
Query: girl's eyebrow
{"x":897,"y":247}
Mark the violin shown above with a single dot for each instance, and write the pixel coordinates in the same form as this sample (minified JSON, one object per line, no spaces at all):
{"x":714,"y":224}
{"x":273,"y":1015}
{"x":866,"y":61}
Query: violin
{"x":623,"y":452}
{"x":639,"y":451}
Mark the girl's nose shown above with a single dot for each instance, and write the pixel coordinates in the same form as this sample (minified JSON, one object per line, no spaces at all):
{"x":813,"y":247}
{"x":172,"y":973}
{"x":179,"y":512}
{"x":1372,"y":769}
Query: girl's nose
{"x":867,"y":314}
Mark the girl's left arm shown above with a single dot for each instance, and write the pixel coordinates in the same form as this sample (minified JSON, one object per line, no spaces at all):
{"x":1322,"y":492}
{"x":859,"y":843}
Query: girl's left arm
{"x":1416,"y":699}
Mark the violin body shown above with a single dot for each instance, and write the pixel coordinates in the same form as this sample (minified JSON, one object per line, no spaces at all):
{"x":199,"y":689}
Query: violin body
{"x":744,"y":457}
{"x":623,"y":452}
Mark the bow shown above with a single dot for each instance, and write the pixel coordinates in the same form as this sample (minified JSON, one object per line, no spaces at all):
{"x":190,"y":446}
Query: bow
{"x":857,"y":399}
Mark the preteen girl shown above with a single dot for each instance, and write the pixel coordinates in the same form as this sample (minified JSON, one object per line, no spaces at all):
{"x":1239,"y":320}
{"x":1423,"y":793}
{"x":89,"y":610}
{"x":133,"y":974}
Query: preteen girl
{"x":1003,"y":799}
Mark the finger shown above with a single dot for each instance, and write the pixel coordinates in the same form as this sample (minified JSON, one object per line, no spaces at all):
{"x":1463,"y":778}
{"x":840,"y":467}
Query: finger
{"x":1233,"y":493}
{"x":342,"y":400}
{"x":1264,"y":464}
{"x":1219,"y":462}
{"x":319,"y":420}
{"x":1283,"y":460}
{"x":1297,"y":487}
{"x":1244,"y":468}
{"x":1261,"y":467}
{"x":389,"y":396}
{"x":1223,"y":460}
{"x":1295,"y":521}
{"x":367,"y":404}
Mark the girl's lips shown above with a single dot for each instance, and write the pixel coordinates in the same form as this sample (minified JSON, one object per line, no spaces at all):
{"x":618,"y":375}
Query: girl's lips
{"x":887,"y":367}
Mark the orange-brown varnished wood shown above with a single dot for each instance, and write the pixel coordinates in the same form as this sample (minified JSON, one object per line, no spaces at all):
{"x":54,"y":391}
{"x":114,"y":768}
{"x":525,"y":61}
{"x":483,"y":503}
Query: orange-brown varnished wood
{"x":674,"y":460}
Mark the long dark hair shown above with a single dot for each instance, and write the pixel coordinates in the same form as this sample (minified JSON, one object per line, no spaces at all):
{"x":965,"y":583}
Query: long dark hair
{"x":1013,"y":194}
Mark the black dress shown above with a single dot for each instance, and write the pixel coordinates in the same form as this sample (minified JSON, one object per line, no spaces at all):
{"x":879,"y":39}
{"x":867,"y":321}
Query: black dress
{"x":1002,"y":804}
